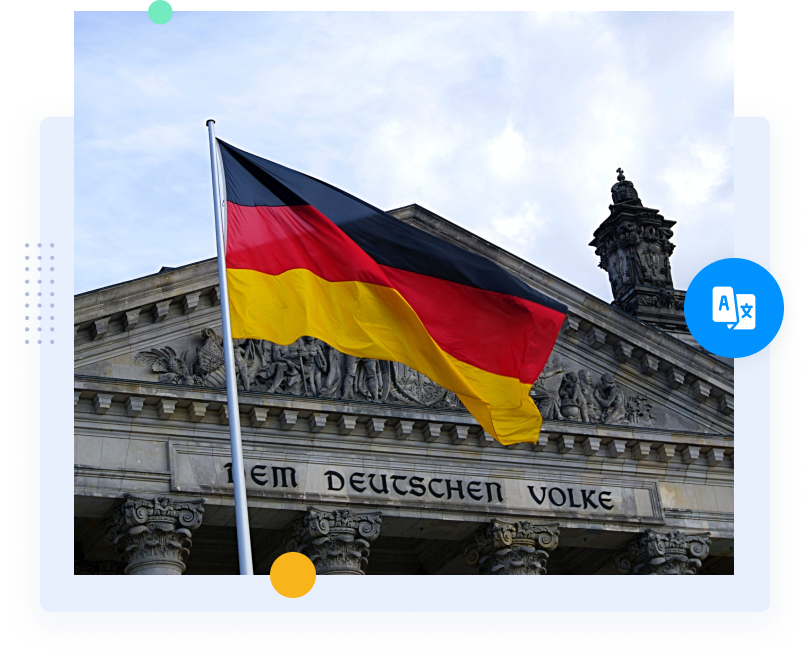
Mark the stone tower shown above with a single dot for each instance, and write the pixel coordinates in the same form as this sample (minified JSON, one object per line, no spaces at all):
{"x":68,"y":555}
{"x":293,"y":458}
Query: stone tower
{"x":634,"y":246}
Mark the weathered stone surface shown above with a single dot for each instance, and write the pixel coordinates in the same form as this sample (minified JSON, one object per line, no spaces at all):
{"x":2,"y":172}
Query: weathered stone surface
{"x":690,"y":454}
{"x":347,"y":424}
{"x":403,"y":429}
{"x":258,"y":416}
{"x":165,"y":407}
{"x":700,"y":390}
{"x":99,"y":328}
{"x":153,"y":535}
{"x":196,"y":411}
{"x":634,"y":247}
{"x":596,"y":337}
{"x":287,"y":419}
{"x":458,"y":433}
{"x":591,"y":445}
{"x":336,"y":541}
{"x":160,"y":311}
{"x":190,"y":302}
{"x":675,"y":377}
{"x":623,"y":351}
{"x":565,"y":443}
{"x":649,"y":363}
{"x":666,"y":452}
{"x":101,"y":402}
{"x":431,"y":431}
{"x":672,"y":553}
{"x":512,"y":548}
{"x":715,"y":456}
{"x":134,"y":405}
{"x":316,"y":422}
{"x":375,"y":426}
{"x":571,"y":325}
{"x":131,"y":318}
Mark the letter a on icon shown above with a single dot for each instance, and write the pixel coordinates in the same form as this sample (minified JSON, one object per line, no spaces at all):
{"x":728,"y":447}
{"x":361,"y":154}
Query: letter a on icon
{"x":722,"y":310}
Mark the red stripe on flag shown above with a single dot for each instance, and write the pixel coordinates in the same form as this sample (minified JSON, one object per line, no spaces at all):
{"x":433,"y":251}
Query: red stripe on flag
{"x":482,"y":328}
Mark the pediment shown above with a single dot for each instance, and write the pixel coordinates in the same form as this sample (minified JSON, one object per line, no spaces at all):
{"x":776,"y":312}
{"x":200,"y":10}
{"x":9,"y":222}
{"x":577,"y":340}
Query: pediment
{"x":606,"y":367}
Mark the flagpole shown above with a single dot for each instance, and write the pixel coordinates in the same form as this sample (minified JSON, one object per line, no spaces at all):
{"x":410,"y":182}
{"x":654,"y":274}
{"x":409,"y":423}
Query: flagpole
{"x":237,"y":464}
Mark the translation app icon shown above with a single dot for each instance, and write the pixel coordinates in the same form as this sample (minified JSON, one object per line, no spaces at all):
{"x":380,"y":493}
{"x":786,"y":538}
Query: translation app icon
{"x":743,"y":296}
{"x":739,"y":312}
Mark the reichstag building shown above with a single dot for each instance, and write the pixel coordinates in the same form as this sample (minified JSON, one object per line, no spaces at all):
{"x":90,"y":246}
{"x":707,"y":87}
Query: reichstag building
{"x":368,"y":467}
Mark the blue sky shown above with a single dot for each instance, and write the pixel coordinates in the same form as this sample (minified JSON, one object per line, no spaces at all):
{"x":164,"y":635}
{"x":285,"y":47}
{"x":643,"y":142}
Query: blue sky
{"x":509,"y":124}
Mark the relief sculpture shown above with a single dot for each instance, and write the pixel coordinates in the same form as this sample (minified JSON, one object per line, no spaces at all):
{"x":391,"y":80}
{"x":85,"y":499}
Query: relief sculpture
{"x":311,"y":368}
{"x":308,"y":367}
{"x":576,"y":398}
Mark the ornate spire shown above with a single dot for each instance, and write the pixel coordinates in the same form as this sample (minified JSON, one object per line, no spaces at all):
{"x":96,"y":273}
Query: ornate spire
{"x":634,"y":246}
{"x":624,"y":192}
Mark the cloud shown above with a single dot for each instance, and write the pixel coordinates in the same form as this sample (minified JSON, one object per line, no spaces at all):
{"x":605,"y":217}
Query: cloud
{"x":508,"y":153}
{"x":509,"y":124}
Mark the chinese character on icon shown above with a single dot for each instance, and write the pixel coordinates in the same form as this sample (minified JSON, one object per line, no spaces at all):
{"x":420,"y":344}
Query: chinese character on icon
{"x":739,"y":311}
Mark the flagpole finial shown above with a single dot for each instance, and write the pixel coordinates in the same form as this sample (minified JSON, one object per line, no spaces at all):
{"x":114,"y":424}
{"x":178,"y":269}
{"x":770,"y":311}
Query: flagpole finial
{"x":210,"y":121}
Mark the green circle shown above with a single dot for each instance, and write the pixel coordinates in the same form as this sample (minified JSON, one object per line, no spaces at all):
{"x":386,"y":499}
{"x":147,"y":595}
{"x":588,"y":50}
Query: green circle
{"x":160,"y":12}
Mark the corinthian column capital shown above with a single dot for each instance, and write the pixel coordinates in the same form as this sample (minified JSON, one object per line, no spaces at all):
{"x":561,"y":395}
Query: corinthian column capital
{"x":654,"y":553}
{"x":153,"y":534}
{"x":336,"y":541}
{"x":512,"y":548}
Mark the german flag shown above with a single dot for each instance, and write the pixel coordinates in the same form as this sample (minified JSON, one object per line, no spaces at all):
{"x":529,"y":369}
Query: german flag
{"x":306,"y":259}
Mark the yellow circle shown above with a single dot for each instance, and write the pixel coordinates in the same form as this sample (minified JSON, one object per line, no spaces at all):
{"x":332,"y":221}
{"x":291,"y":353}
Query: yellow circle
{"x":292,"y":575}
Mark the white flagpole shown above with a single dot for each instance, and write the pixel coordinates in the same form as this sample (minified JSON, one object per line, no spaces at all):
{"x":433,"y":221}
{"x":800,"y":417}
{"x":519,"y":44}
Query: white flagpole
{"x":237,"y":464}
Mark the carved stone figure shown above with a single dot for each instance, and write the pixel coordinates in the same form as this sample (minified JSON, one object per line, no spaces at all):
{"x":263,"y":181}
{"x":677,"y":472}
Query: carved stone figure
{"x":366,"y":379}
{"x":278,"y":368}
{"x":611,"y":399}
{"x":248,"y":357}
{"x":207,"y":368}
{"x":331,"y":385}
{"x":640,"y":412}
{"x":173,"y":369}
{"x":591,"y":412}
{"x":313,"y":364}
{"x":547,"y":402}
{"x":572,"y":402}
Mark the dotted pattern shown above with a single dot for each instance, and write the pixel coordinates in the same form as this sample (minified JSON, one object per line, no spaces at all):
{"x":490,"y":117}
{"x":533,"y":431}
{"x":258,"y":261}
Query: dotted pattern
{"x":28,"y":327}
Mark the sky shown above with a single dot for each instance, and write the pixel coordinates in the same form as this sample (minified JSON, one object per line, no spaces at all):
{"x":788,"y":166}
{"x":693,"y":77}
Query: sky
{"x":510,"y":125}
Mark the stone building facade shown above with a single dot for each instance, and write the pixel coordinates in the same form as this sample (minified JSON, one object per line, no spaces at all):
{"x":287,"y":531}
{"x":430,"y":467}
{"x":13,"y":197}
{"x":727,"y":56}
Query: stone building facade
{"x":368,"y":467}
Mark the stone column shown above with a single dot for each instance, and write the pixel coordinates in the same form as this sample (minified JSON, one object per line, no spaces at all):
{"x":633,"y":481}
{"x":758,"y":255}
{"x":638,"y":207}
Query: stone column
{"x":153,"y":534}
{"x":336,"y":541}
{"x":654,"y":553}
{"x":512,"y":548}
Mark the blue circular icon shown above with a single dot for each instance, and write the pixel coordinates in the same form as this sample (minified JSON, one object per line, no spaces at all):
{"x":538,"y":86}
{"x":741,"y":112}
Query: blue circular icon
{"x":734,"y":308}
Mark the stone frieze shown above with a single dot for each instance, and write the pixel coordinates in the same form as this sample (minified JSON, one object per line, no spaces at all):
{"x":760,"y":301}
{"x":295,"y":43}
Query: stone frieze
{"x":311,"y":368}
